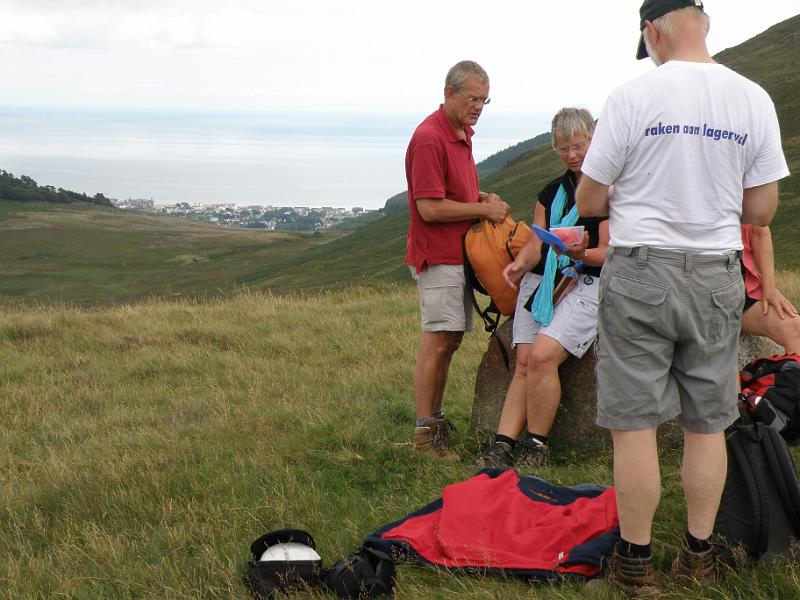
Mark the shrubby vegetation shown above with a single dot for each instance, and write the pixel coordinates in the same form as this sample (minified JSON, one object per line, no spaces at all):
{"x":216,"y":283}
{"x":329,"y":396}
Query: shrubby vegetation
{"x":25,"y":189}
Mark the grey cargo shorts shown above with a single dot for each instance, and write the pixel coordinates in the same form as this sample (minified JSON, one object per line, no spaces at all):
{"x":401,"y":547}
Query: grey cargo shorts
{"x":668,"y":335}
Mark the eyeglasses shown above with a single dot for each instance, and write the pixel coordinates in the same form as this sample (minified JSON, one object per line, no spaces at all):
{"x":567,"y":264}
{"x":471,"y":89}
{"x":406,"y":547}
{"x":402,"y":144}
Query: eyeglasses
{"x":476,"y":99}
{"x":564,"y":150}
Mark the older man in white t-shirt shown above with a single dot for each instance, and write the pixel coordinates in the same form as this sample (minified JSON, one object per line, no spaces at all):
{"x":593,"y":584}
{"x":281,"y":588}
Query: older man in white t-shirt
{"x":692,"y":150}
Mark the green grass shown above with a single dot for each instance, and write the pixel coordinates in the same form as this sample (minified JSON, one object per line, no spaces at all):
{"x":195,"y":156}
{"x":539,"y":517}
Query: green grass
{"x":87,"y":254}
{"x":144,"y":446}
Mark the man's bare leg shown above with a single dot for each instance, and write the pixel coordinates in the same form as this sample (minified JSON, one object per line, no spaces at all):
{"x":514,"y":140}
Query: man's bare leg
{"x":705,"y":464}
{"x":436,"y":349}
{"x":638,"y":482}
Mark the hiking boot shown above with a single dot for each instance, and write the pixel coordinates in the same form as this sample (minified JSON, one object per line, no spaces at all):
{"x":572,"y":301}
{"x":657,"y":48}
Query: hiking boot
{"x":497,"y":454}
{"x":694,"y":567}
{"x":433,"y":439}
{"x":445,"y":426}
{"x":533,"y":455}
{"x":634,"y":576}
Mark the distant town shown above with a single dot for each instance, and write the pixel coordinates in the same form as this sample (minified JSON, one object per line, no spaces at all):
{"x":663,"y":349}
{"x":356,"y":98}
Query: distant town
{"x":273,"y":218}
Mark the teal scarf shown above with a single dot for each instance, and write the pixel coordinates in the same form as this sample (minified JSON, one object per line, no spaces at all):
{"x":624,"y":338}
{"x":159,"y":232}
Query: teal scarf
{"x":542,"y":306}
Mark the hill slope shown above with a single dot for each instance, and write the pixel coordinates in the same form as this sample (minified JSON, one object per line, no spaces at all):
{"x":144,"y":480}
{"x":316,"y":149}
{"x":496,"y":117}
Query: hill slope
{"x":88,"y":254}
{"x":770,"y":59}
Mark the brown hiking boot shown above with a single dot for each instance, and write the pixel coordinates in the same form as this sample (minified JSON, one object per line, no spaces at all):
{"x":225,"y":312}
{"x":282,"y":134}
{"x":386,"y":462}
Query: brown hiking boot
{"x":434,"y":439}
{"x":634,"y":576}
{"x":445,"y":426}
{"x":694,"y":567}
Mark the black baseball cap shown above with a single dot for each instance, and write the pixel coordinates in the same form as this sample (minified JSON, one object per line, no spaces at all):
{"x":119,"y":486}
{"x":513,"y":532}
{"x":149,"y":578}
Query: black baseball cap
{"x":652,"y":9}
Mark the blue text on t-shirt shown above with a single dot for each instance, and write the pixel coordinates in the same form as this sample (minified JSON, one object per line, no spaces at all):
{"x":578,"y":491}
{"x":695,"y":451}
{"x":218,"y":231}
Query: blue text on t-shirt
{"x":706,"y":131}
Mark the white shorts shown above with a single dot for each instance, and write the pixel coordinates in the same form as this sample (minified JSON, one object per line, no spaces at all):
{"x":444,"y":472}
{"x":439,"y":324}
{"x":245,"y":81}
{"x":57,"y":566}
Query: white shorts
{"x":574,"y":323}
{"x":444,"y":304}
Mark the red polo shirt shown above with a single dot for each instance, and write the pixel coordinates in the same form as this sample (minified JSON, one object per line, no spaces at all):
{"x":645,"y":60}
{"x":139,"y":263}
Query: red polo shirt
{"x":438,"y":165}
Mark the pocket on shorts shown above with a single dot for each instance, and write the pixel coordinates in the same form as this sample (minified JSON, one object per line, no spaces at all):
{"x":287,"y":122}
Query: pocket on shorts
{"x":628,"y":304}
{"x":726,"y":310}
{"x":440,"y":304}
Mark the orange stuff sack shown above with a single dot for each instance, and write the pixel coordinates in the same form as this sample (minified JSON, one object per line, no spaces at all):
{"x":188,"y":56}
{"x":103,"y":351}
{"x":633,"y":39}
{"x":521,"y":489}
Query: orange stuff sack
{"x":488,"y":248}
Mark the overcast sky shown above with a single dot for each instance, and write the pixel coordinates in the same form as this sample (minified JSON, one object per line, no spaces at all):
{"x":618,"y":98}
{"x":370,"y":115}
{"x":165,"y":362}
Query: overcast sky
{"x":332,"y":55}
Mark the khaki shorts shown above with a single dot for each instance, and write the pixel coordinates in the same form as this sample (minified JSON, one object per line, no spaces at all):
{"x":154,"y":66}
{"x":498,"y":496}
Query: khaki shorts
{"x":668,"y":336}
{"x":574,"y":323}
{"x":444,"y":304}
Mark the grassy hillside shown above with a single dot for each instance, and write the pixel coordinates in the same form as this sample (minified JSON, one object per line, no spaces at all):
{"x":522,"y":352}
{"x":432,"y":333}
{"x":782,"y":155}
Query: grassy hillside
{"x":771,"y":60}
{"x":145,"y":446}
{"x":88,"y":254}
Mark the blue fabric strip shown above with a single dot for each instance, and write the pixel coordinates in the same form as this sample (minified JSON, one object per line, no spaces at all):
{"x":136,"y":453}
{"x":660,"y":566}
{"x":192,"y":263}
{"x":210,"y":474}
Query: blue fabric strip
{"x":542,"y":306}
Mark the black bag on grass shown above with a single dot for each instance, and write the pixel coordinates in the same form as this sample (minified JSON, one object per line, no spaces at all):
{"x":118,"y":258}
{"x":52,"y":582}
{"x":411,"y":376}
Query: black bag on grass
{"x":368,"y":574}
{"x":759,"y":515}
{"x":283,"y":560}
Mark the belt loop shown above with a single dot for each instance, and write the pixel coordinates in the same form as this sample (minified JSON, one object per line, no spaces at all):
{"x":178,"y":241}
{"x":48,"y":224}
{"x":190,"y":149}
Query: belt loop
{"x":687,"y":265}
{"x":733,"y":258}
{"x":641,"y":257}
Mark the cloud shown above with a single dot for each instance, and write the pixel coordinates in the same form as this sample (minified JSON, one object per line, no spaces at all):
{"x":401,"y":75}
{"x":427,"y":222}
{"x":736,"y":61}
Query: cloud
{"x":331,"y":54}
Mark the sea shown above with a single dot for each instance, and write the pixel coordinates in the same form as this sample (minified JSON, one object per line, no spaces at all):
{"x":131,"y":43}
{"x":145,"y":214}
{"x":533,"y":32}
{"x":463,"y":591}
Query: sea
{"x":288,"y":159}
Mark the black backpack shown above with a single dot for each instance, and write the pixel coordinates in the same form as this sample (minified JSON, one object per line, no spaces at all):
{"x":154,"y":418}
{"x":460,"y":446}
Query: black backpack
{"x":368,"y":574}
{"x":771,"y":393}
{"x":759,"y":515}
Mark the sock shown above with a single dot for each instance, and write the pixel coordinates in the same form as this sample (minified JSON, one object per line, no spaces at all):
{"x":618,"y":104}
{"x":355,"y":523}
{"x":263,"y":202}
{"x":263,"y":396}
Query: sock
{"x":438,"y":415}
{"x":425,"y":421}
{"x":542,"y":439}
{"x":696,"y":545}
{"x":630,"y":550}
{"x":499,"y":437}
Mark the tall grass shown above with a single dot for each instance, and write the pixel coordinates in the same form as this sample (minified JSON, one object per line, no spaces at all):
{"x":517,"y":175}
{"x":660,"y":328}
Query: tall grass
{"x":144,"y":446}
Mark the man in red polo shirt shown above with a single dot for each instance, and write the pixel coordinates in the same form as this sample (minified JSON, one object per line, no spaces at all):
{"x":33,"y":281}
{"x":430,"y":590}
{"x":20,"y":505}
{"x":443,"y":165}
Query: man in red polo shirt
{"x":443,"y":200}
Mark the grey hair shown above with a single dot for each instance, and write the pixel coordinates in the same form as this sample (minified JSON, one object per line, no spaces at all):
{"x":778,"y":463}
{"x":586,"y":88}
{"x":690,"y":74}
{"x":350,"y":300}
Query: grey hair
{"x":668,"y":22}
{"x":571,"y":121}
{"x":459,"y":73}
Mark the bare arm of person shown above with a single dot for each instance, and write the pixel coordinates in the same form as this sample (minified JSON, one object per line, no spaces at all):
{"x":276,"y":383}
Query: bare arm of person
{"x":444,"y":210}
{"x":594,"y":257}
{"x":529,"y":255}
{"x":759,"y":204}
{"x":763,"y":255}
{"x":591,"y":197}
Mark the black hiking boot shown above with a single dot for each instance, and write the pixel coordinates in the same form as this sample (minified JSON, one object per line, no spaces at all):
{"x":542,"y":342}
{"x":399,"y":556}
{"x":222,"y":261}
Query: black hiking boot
{"x":532,"y":456}
{"x":497,"y":455}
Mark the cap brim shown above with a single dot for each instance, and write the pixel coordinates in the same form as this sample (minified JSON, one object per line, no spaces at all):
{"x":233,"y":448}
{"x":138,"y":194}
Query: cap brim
{"x":642,"y":51}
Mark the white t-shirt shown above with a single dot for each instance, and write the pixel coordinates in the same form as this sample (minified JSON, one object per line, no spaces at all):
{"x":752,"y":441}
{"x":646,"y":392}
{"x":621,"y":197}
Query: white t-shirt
{"x":679,"y":144}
